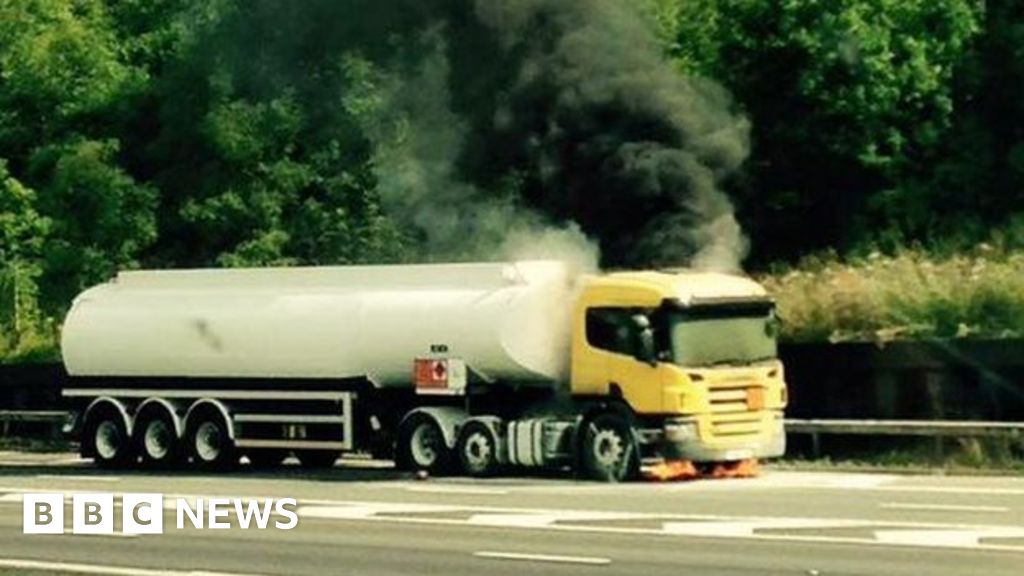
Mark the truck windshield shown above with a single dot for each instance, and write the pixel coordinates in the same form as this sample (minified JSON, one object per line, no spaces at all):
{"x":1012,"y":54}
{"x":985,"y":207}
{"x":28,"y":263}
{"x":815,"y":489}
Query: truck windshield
{"x":708,"y":338}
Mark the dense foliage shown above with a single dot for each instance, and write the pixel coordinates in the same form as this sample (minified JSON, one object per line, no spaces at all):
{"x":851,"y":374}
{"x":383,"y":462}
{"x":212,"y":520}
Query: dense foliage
{"x":908,"y":296}
{"x":167,"y":133}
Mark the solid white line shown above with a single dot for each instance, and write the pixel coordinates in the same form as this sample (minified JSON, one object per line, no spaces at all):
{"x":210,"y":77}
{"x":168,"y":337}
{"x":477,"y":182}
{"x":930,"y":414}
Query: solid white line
{"x":953,"y":490}
{"x":26,"y":564}
{"x":468,"y":490}
{"x":590,"y":560}
{"x":79,"y":478}
{"x":942,"y":507}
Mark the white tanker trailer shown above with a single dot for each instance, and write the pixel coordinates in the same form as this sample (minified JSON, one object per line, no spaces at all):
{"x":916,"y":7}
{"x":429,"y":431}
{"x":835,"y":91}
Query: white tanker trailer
{"x":454,"y":367}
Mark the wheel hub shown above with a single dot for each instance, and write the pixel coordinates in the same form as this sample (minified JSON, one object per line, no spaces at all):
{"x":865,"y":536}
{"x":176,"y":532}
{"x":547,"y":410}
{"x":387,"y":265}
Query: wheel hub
{"x":157,"y":440}
{"x":478,"y":450}
{"x":424,"y":445}
{"x":108,"y":439}
{"x":208,"y":441}
{"x":608,"y":447}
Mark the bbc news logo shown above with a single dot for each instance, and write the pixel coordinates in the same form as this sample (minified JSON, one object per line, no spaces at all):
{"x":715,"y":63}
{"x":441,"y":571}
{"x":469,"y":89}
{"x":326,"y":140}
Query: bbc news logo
{"x":94,"y":513}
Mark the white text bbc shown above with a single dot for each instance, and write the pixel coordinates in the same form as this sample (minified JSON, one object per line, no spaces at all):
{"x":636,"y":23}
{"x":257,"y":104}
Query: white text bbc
{"x":94,"y":513}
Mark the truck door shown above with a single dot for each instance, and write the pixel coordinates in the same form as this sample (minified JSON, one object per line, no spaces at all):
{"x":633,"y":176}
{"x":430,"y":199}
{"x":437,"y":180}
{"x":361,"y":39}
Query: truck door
{"x":614,"y":339}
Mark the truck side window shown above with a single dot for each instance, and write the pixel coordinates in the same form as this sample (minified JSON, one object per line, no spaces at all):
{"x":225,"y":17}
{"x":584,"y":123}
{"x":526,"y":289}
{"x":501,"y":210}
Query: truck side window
{"x":611,"y":329}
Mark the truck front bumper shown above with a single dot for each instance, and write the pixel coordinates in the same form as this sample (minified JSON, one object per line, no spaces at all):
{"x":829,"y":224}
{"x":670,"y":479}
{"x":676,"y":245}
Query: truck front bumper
{"x":680,"y":440}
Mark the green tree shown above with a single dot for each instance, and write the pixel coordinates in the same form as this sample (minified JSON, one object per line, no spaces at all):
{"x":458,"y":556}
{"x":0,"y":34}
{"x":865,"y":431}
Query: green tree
{"x":22,"y":235}
{"x":850,"y":101}
{"x":102,"y":218}
{"x":265,"y":162}
{"x":64,"y":88}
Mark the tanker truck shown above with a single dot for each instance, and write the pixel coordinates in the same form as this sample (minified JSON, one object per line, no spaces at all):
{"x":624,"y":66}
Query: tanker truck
{"x":446,"y":368}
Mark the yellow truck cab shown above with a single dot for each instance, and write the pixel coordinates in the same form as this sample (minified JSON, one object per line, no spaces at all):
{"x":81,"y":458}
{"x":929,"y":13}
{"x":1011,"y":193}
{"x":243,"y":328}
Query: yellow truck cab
{"x":693,"y":356}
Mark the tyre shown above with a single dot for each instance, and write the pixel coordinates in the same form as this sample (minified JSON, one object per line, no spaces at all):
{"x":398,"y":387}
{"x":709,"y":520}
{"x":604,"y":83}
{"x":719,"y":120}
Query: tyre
{"x":156,"y":440}
{"x":315,"y":459}
{"x":209,"y":442}
{"x":609,"y":451}
{"x":477,"y":449}
{"x":421,"y":446}
{"x":266,"y":459}
{"x":106,"y":440}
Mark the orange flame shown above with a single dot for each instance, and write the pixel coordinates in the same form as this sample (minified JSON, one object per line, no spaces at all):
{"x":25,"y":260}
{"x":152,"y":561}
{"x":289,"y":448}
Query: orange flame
{"x":671,"y":470}
{"x":741,"y":469}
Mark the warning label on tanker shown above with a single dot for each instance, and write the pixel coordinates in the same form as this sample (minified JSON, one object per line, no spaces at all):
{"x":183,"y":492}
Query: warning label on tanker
{"x":440,"y":376}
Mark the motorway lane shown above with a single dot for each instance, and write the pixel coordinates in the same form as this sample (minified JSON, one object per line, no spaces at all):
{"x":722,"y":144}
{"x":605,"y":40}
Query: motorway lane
{"x":360,"y":520}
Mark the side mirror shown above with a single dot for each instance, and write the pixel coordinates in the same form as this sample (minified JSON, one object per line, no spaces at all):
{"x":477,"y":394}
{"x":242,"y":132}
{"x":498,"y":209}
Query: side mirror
{"x":644,"y":350}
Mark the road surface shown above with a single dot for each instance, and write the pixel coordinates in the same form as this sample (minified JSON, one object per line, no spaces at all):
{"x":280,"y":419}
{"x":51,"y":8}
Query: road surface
{"x":361,"y":519}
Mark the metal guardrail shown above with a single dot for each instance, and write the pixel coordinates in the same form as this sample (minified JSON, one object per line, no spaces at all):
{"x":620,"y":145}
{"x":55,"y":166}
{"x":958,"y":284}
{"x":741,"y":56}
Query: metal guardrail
{"x":34,"y":415}
{"x":937,"y":429}
{"x":54,"y":417}
{"x":905,"y":427}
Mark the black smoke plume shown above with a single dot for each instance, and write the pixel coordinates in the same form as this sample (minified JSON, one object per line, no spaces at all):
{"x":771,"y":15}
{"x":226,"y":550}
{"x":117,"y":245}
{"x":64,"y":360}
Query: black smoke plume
{"x":505,"y":121}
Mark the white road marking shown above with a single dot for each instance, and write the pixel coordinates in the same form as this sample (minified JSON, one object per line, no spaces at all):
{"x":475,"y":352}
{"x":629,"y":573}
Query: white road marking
{"x":831,"y":481}
{"x":511,"y":519}
{"x":802,"y":480}
{"x":954,"y":490}
{"x":514,"y":520}
{"x":26,"y":564}
{"x":747,"y":528}
{"x":941,"y":507}
{"x":78,"y":478}
{"x":368,"y":510}
{"x":889,"y":532}
{"x":590,"y":560}
{"x":945,"y":538}
{"x":461,"y":490}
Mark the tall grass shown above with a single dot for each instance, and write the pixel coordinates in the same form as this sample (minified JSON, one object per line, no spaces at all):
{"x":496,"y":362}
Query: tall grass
{"x":909,"y":296}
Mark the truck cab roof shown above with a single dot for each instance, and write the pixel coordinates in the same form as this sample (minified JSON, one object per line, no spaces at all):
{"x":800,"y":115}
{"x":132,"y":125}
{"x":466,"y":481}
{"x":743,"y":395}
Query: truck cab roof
{"x":686,"y":287}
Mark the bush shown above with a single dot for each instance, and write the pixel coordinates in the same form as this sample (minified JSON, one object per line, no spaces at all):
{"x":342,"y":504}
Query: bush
{"x":26,"y":334}
{"x":910,"y":296}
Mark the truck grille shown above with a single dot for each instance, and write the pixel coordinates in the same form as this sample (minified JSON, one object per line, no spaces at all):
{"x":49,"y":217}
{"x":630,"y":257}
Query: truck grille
{"x":737,"y":408}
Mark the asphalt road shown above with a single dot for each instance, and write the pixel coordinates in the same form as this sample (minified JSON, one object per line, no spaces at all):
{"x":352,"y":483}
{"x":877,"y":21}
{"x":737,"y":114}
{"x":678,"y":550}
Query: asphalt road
{"x":362,"y":519}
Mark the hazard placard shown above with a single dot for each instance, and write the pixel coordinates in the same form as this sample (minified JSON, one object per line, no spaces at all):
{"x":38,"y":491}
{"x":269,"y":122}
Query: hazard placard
{"x":439,"y":375}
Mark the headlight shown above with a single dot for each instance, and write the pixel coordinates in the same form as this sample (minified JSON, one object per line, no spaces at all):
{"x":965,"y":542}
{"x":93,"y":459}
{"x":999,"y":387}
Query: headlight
{"x":680,"y":431}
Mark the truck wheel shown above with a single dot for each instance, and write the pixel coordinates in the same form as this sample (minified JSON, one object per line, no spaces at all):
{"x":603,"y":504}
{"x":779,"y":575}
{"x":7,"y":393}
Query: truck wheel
{"x":318,"y":458}
{"x":209,"y":443}
{"x":156,"y":440}
{"x":106,"y":439}
{"x":421,"y":446}
{"x":609,"y":451}
{"x":478,"y":450}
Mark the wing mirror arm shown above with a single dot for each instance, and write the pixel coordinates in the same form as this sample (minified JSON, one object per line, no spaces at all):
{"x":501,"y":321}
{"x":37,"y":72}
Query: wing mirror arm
{"x":645,"y":351}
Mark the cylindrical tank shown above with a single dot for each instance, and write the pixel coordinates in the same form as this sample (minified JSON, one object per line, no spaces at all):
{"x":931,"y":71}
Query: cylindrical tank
{"x":506,"y":321}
